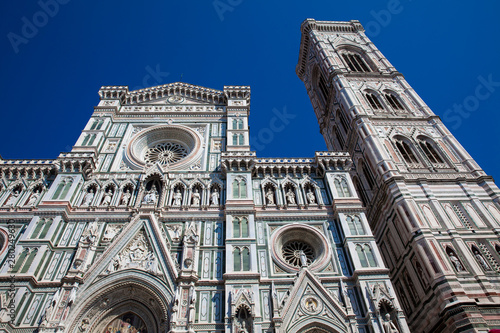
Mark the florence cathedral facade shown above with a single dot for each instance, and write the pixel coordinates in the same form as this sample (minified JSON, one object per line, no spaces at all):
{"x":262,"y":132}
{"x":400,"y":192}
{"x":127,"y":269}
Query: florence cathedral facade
{"x":162,"y":219}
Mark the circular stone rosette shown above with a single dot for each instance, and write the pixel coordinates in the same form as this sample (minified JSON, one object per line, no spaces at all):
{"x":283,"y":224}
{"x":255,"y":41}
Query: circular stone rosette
{"x":289,"y":241}
{"x":173,"y":146}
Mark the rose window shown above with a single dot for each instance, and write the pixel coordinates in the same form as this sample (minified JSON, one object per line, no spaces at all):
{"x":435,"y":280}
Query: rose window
{"x":296,"y":245}
{"x":293,"y":250}
{"x":165,"y":153}
{"x":175,"y":147}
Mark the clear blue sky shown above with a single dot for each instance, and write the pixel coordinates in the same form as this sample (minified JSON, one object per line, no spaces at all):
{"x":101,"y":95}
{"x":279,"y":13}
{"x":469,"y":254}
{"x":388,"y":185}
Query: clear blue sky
{"x":50,"y":75}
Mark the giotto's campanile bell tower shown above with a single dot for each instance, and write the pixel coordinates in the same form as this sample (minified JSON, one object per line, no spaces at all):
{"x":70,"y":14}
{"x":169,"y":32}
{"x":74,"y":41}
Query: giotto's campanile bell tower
{"x":434,"y":212}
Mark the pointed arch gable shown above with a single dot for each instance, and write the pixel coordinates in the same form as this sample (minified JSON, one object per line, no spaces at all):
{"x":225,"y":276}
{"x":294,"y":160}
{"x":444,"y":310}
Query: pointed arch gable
{"x":289,"y":181}
{"x":149,"y":225}
{"x":195,"y":182}
{"x":269,"y":181}
{"x":332,"y":315}
{"x":39,"y":182}
{"x":127,"y":182}
{"x":17,"y":183}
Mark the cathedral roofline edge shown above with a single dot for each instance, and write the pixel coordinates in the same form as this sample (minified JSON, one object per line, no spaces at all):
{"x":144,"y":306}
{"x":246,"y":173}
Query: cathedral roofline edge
{"x":181,"y":89}
{"x":352,"y":26}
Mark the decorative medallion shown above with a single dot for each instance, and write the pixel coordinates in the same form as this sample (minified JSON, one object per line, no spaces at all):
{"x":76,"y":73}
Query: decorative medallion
{"x":311,"y":305}
{"x":175,"y":99}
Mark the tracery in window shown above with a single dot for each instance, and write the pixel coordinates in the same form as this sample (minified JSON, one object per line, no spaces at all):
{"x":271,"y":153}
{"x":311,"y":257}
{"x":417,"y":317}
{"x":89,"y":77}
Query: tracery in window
{"x":355,"y":225}
{"x":239,"y":188}
{"x":429,"y":150}
{"x":374,"y":102}
{"x":342,"y":187}
{"x":240,"y":227}
{"x":355,"y":62}
{"x":394,"y":102}
{"x":241,"y":259}
{"x":323,"y":87}
{"x":365,"y":254}
{"x":406,"y":151}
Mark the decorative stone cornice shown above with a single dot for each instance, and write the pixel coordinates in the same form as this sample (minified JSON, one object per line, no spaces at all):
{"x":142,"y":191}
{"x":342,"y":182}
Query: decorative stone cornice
{"x":322,"y":162}
{"x":309,"y":25}
{"x":171,"y":89}
{"x":15,"y":169}
{"x":84,"y":163}
{"x":237,"y":92}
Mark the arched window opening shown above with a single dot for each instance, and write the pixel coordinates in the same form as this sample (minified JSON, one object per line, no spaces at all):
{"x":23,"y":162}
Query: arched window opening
{"x":361,"y":191}
{"x":361,"y":256}
{"x":365,"y":254}
{"x":355,"y":62}
{"x":241,"y":259}
{"x":235,"y":139}
{"x":235,"y":123}
{"x":236,"y":228}
{"x":406,"y":152}
{"x":343,"y":121}
{"x":99,"y":124}
{"x":368,"y":176}
{"x":429,"y":151}
{"x":342,"y":187}
{"x":394,"y":102}
{"x":86,"y":140}
{"x":240,"y":227}
{"x":246,"y":259}
{"x":370,"y":256}
{"x":241,"y":140}
{"x":237,"y":259}
{"x":244,"y":227}
{"x":323,"y":87}
{"x":239,"y":188}
{"x":240,"y":124}
{"x":236,"y":189}
{"x":355,"y":225}
{"x":374,"y":102}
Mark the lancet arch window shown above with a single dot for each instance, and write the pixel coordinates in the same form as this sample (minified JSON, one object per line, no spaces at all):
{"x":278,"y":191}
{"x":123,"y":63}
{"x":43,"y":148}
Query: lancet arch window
{"x":394,"y":102}
{"x":63,"y":188}
{"x":240,"y":227}
{"x":42,"y":228}
{"x":342,"y":187}
{"x":406,"y":151}
{"x":89,"y":140}
{"x":355,"y":62}
{"x":374,"y":101}
{"x":97,"y":124}
{"x":239,"y":188}
{"x":343,"y":121}
{"x":355,"y":225}
{"x":365,"y":255}
{"x":241,"y":259}
{"x":237,"y":123}
{"x":321,"y":85}
{"x":429,"y":150}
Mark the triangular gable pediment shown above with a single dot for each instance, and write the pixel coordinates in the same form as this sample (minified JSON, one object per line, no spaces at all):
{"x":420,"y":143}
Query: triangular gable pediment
{"x":309,"y":302}
{"x":174,"y":94}
{"x":139,"y":246}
